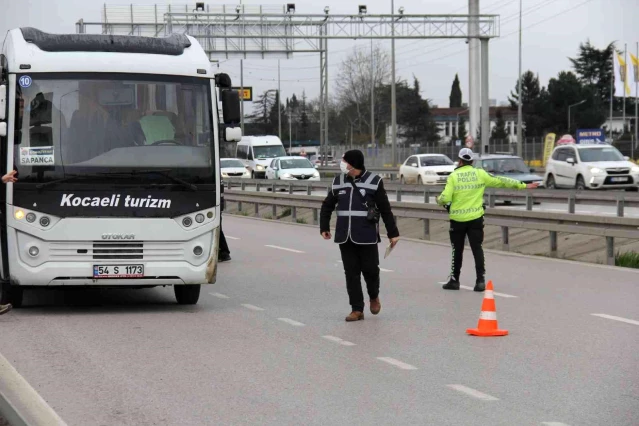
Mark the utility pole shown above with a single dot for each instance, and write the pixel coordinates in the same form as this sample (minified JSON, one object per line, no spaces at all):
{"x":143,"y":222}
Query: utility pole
{"x":279,"y":102}
{"x":242,"y":94}
{"x":372,"y":97}
{"x":474,"y":72}
{"x":393,"y":94}
{"x":520,"y":135}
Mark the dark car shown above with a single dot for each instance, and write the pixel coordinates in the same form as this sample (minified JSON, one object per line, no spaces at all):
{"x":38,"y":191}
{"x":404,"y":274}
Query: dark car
{"x":509,"y":166}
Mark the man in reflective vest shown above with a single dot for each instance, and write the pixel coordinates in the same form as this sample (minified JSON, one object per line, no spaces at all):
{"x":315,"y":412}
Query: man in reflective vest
{"x":360,"y":199}
{"x":463,"y":197}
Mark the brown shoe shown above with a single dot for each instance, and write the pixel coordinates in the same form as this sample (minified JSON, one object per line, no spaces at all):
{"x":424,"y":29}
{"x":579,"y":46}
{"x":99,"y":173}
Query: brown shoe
{"x":355,"y":316}
{"x":376,"y":306}
{"x":5,"y":308}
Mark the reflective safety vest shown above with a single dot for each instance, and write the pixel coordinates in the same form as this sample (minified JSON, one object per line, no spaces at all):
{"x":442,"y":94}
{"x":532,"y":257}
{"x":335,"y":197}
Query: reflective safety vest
{"x":352,"y":212}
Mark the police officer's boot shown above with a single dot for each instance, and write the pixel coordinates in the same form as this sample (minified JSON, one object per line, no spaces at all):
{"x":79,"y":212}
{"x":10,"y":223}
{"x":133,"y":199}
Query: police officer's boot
{"x":480,"y":284}
{"x":452,"y":284}
{"x":5,"y":308}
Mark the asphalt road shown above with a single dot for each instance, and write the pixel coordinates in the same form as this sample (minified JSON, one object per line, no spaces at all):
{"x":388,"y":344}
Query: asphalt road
{"x":550,"y":207}
{"x":268,"y":344}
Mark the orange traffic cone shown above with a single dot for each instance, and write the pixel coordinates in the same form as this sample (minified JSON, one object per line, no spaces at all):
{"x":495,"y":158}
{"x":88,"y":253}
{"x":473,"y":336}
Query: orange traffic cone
{"x":487,"y":325}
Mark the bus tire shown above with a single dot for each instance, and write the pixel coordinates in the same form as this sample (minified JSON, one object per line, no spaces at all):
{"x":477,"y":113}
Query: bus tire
{"x":187,"y":294}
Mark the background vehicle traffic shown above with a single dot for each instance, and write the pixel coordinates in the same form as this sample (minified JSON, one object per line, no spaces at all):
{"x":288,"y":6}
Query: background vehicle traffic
{"x":257,"y":152}
{"x":426,"y":169}
{"x":292,"y":168}
{"x":233,"y":168}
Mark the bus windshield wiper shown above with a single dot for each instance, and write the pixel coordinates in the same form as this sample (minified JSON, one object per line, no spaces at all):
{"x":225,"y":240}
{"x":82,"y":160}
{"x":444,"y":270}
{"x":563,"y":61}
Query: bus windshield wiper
{"x":158,"y":172}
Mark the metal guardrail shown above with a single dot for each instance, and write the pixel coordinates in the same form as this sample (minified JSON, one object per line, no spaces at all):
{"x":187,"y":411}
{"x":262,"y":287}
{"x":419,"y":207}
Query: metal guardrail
{"x":570,"y":197}
{"x":602,"y":226}
{"x":391,"y":173}
{"x":20,"y":404}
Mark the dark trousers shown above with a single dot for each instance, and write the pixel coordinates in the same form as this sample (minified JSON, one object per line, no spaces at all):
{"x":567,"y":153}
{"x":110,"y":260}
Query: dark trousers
{"x":474,"y":229}
{"x":360,"y":260}
{"x":224,"y":247}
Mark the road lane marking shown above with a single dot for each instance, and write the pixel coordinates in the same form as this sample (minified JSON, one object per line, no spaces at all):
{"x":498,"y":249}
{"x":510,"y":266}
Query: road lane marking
{"x":231,"y":238}
{"x":473,"y":392}
{"x":252,"y":307}
{"x":338,"y":340}
{"x":554,"y":424}
{"x":385,"y":270}
{"x":284,"y":248}
{"x":219,"y":295}
{"x":612,"y":317}
{"x":291,"y":322}
{"x":494,"y":292}
{"x":397,"y":363}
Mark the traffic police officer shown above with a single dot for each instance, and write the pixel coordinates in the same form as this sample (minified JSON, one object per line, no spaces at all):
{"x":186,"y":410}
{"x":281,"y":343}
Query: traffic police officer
{"x":360,"y":199}
{"x":463,"y":197}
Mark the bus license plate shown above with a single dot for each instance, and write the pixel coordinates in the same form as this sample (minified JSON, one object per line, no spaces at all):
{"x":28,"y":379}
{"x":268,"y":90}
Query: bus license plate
{"x":619,"y":179}
{"x":118,"y":271}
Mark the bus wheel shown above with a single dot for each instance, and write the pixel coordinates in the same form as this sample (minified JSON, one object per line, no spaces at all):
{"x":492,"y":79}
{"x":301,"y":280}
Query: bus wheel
{"x":11,"y":294}
{"x":187,"y":294}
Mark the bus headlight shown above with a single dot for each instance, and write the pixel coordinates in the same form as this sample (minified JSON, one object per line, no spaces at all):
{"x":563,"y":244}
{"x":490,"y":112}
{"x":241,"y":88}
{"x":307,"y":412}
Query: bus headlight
{"x":198,"y":250}
{"x":31,"y":217}
{"x":34,"y":251}
{"x":44,"y":221}
{"x":187,"y":221}
{"x":19,"y":214}
{"x":199,"y":218}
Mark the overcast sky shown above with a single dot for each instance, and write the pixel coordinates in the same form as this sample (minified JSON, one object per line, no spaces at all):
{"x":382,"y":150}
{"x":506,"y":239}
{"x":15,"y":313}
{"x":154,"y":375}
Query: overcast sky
{"x":553,"y":30}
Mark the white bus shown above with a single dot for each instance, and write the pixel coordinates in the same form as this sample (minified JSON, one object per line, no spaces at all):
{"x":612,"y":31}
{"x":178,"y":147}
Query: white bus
{"x":115,"y":141}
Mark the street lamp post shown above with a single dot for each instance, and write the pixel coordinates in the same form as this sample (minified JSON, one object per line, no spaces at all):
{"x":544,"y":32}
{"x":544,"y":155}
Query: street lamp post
{"x":570,"y":106}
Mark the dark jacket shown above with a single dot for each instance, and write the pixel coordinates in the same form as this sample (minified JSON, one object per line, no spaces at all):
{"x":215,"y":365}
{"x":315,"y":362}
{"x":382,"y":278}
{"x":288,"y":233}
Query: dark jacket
{"x":351,"y":211}
{"x":222,"y":204}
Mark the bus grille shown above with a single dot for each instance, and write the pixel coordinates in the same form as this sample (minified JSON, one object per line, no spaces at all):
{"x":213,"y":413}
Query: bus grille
{"x":119,"y":250}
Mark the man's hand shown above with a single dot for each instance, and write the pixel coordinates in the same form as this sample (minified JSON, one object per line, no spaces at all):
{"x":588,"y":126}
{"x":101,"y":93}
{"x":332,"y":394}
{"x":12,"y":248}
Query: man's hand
{"x":532,"y":185}
{"x":394,"y":241}
{"x":326,"y":235}
{"x":9,"y":177}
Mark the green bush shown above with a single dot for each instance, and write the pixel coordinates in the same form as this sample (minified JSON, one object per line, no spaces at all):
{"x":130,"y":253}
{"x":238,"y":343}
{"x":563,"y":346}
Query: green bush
{"x":628,"y":259}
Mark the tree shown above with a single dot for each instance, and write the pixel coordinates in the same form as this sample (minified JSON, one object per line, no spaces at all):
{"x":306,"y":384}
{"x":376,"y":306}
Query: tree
{"x":417,"y":123}
{"x":499,"y":131}
{"x":594,"y":68}
{"x":355,"y":84}
{"x":455,"y":98}
{"x":533,"y":107}
{"x":263,"y":113}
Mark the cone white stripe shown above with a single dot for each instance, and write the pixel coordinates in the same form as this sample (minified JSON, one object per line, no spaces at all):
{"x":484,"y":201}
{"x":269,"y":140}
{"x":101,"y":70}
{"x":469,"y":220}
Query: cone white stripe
{"x":488,"y":294}
{"x":486,"y":315}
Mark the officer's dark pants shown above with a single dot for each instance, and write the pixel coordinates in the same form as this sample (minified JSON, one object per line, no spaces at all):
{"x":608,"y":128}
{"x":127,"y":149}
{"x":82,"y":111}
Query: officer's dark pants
{"x":224,"y":247}
{"x":360,"y":259}
{"x":474,"y":229}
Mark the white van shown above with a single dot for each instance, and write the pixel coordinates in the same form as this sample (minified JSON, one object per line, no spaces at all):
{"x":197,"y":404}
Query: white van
{"x":257,"y":152}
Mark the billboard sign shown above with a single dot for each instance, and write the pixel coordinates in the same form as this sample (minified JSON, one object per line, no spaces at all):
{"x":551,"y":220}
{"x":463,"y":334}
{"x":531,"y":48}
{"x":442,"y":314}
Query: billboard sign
{"x":591,"y":136}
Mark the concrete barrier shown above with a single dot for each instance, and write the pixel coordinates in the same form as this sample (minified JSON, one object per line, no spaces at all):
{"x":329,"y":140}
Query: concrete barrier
{"x":20,"y":404}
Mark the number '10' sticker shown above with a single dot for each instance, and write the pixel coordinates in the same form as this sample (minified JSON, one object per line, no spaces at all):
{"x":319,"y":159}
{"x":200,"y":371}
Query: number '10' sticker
{"x":25,"y":81}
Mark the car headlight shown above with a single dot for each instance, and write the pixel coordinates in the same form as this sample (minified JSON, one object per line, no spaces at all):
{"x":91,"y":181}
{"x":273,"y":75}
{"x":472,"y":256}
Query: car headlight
{"x":259,"y":167}
{"x":286,"y":175}
{"x":224,"y":174}
{"x":246,"y":173}
{"x":429,"y":172}
{"x":316,"y":174}
{"x":595,"y":170}
{"x":635,"y":169}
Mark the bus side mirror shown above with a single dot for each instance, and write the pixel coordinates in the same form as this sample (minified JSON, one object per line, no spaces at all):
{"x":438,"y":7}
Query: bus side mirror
{"x":3,"y":102}
{"x":232,"y":115}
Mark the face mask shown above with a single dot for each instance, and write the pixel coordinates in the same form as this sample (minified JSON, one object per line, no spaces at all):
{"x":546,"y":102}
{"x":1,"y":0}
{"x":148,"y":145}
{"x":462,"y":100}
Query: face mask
{"x":343,"y":167}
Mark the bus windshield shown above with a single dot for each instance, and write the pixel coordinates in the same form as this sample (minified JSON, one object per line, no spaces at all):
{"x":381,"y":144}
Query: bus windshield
{"x":92,"y":124}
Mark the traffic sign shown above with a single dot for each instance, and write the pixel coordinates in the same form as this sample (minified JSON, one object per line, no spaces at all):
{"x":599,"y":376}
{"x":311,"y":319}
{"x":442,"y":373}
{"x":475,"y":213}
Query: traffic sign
{"x":246,"y":93}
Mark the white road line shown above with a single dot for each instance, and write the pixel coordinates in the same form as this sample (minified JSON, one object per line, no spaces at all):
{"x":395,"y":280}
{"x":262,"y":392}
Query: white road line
{"x":554,"y":424}
{"x":338,"y":340}
{"x":219,"y":295}
{"x":252,"y":307}
{"x":495,"y":293}
{"x":611,"y":317}
{"x":385,"y":270}
{"x":291,"y":322}
{"x":231,"y":238}
{"x":473,"y":392}
{"x":284,"y":248}
{"x":397,"y":363}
